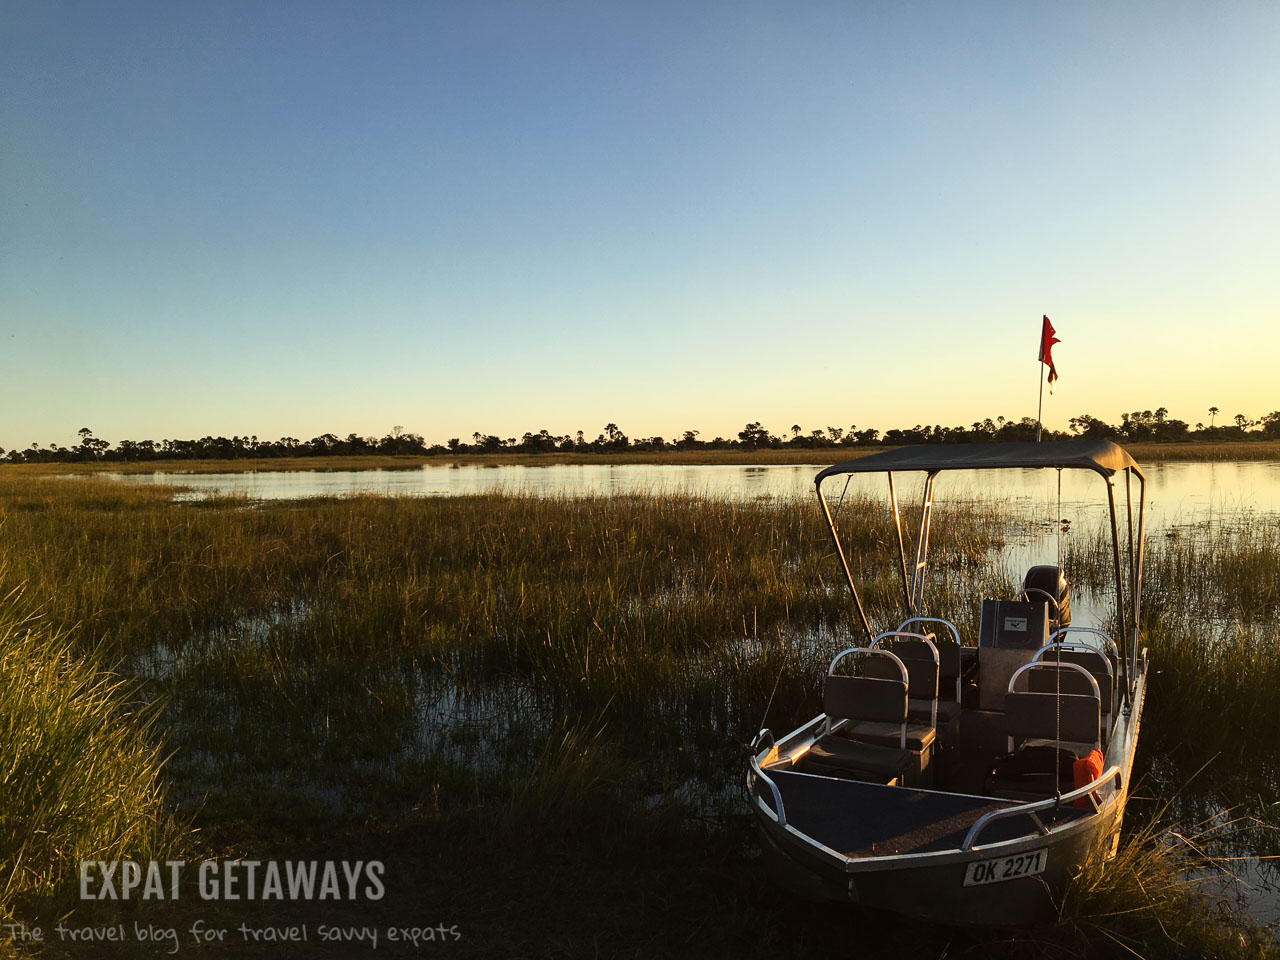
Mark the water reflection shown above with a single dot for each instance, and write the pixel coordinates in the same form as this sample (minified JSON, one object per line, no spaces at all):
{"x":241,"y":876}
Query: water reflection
{"x":719,"y":480}
{"x":1177,"y":492}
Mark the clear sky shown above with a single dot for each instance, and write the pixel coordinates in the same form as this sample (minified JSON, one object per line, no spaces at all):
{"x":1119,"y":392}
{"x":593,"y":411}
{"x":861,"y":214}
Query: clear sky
{"x":291,"y":218}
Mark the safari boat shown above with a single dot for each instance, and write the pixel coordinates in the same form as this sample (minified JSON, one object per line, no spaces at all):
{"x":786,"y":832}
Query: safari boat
{"x":962,"y":779}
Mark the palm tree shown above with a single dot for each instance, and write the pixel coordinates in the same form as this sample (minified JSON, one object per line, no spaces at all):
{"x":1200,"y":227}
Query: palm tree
{"x":1213,"y":412}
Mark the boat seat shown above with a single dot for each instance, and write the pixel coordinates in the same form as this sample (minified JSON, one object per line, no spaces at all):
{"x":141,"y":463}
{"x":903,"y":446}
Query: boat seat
{"x":955,"y":668}
{"x":1109,"y":648}
{"x":838,"y":756}
{"x":919,"y":736}
{"x":850,"y":700}
{"x":1047,"y":730}
{"x":1029,"y":774}
{"x":920,"y":657}
{"x":946,"y":725}
{"x":1070,"y":719}
{"x":1097,"y":663}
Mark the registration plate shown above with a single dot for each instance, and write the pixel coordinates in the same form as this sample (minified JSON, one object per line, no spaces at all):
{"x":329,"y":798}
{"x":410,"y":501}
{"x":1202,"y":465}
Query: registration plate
{"x":1006,"y":868}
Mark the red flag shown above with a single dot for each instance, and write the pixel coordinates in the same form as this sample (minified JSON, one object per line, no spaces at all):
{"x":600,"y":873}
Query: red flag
{"x":1047,"y":340}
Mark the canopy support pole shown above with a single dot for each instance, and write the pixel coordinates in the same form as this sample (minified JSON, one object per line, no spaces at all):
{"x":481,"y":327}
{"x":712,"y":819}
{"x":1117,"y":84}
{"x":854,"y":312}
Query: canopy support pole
{"x":1115,"y":553}
{"x":844,"y":563}
{"x":902,"y":547}
{"x":1137,"y":573}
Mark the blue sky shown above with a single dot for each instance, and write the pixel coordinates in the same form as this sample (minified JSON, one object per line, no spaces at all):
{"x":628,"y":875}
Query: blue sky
{"x":292,"y":218}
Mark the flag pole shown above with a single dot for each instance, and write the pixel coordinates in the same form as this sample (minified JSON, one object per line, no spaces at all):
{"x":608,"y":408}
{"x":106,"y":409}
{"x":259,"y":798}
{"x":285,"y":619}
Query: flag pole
{"x":1040,"y":409}
{"x":1047,"y":340}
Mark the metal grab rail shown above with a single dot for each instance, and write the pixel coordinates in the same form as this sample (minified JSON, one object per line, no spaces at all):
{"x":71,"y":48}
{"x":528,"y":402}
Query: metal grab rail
{"x":955,"y":634}
{"x":754,"y":770}
{"x":1110,"y":645}
{"x":1030,"y":809}
{"x":902,"y":635}
{"x":1056,"y":665}
{"x":1042,"y":655}
{"x":873,"y":650}
{"x":757,"y":742}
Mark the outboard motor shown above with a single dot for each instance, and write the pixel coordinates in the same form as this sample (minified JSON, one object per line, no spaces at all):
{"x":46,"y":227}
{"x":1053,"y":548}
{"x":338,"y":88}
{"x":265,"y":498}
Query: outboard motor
{"x":1046,"y":581}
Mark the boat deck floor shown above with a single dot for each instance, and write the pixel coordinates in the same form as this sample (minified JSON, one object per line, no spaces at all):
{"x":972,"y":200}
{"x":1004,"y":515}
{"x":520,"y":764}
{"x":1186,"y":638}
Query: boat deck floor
{"x":871,"y":820}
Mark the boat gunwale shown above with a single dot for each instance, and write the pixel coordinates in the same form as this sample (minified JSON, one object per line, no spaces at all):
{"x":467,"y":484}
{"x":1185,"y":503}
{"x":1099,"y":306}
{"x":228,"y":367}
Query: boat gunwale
{"x":1116,"y":771}
{"x":1052,"y":836}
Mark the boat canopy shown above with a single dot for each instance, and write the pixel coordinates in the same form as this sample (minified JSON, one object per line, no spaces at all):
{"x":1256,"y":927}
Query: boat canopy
{"x":1101,"y":456}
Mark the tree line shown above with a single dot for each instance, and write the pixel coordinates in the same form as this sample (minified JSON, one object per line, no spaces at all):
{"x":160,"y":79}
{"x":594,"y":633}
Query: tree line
{"x":1144,"y":425}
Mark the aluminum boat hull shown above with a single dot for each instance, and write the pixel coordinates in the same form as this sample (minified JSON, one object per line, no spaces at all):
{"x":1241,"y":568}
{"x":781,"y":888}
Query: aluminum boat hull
{"x":931,"y":885}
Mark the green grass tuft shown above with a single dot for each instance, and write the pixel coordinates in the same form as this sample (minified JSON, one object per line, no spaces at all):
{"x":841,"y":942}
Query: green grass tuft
{"x":81,"y":768}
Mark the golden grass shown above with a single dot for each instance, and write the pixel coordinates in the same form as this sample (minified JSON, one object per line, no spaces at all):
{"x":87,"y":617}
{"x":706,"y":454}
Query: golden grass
{"x":822,"y":456}
{"x":1163,"y":895}
{"x":1207,"y":450}
{"x":516,"y":664}
{"x":81,"y":766}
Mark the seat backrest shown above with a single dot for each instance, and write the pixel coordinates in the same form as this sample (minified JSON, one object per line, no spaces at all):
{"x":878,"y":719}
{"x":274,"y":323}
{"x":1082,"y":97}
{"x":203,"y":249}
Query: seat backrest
{"x":877,"y":691}
{"x":948,"y":648}
{"x":950,"y":670}
{"x":1095,"y":661}
{"x":920,"y":657}
{"x":865,"y":698}
{"x":1103,"y":640}
{"x":1047,"y":716}
{"x":1062,"y":702}
{"x":948,"y":661}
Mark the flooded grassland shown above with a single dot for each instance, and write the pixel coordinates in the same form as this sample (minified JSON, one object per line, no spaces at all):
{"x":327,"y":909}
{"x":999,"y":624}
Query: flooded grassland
{"x":535,"y":708}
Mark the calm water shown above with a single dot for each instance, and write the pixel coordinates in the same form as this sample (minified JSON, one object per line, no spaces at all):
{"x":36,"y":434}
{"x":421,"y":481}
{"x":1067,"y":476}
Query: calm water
{"x":1177,"y":493}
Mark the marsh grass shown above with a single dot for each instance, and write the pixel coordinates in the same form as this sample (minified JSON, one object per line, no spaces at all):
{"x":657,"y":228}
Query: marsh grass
{"x":1206,"y":451}
{"x":81,"y":765}
{"x":501,"y":665}
{"x":1210,"y":618}
{"x":315,"y":635}
{"x":1166,"y":893}
{"x":1143,"y":452}
{"x":816,"y":457}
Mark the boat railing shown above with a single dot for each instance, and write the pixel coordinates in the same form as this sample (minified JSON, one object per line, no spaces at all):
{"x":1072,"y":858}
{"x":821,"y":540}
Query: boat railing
{"x":879,"y":651}
{"x":955,"y":634}
{"x":754,"y":770}
{"x":1109,"y":645}
{"x":1031,"y":810}
{"x":756,"y":774}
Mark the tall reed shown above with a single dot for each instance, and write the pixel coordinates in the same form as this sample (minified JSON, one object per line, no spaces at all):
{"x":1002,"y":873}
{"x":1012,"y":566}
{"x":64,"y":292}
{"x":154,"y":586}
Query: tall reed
{"x":81,"y":765}
{"x":1164,"y":894}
